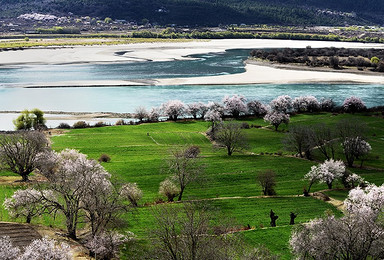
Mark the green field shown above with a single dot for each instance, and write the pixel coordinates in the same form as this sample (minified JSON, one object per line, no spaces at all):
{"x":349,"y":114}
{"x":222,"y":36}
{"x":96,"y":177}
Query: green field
{"x":229,"y":184}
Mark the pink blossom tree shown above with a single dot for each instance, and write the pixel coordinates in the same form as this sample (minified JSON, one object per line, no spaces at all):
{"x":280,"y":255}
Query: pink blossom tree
{"x":355,"y":148}
{"x":353,"y":104}
{"x":366,"y":201}
{"x":282,"y":104}
{"x":257,"y":108}
{"x":276,"y":118}
{"x":306,"y":103}
{"x":197,"y":109}
{"x":235,"y":105}
{"x":173,"y":109}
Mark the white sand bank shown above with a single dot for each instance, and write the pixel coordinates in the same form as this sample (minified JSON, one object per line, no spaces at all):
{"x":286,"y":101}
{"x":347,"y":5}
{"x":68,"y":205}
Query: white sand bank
{"x":178,"y":50}
{"x":161,"y":51}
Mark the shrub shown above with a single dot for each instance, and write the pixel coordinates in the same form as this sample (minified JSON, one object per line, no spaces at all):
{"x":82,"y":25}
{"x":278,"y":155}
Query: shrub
{"x":80,"y":124}
{"x":64,"y":126}
{"x":104,"y":158}
{"x":267,"y":181}
{"x":169,"y":189}
{"x":245,"y":125}
{"x":120,"y":122}
{"x":100,"y":124}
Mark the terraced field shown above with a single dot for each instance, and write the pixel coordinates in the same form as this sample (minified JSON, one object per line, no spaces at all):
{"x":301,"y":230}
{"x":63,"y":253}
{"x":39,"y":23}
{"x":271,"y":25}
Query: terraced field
{"x":229,"y":184}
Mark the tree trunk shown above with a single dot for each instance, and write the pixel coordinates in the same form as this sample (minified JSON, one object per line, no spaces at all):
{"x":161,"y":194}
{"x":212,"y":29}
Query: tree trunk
{"x":24,"y":177}
{"x":181,"y":194}
{"x":329,"y":185}
{"x":29,"y":218}
{"x":229,"y":151}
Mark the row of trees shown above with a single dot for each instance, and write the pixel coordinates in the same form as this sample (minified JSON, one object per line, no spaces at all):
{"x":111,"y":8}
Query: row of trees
{"x":347,"y":134}
{"x":277,"y":112}
{"x":333,"y":57}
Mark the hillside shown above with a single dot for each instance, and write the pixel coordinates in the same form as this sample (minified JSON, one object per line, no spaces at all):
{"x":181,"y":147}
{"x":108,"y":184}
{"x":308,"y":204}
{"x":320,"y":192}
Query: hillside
{"x":210,"y":13}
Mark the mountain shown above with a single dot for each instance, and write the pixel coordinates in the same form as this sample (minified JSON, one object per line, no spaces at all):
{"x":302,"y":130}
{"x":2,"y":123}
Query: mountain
{"x":211,"y":12}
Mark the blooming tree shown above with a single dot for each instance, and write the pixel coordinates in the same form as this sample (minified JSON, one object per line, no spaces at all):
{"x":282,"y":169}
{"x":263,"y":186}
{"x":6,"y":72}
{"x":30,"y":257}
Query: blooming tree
{"x":25,"y":203}
{"x":368,"y":200}
{"x":132,"y":192}
{"x":39,"y":249}
{"x":235,"y":105}
{"x":19,"y":151}
{"x":197,"y":109}
{"x":282,"y":104}
{"x":168,"y":189}
{"x":214,"y":117}
{"x":173,"y":109}
{"x":306,"y":103}
{"x":257,"y":108}
{"x":276,"y":118}
{"x":327,"y":104}
{"x":353,"y":104}
{"x":325,"y":172}
{"x":154,"y":115}
{"x":350,"y":237}
{"x":141,"y":113}
{"x":355,"y":148}
{"x":7,"y":250}
{"x":46,"y":249}
{"x":107,"y":245}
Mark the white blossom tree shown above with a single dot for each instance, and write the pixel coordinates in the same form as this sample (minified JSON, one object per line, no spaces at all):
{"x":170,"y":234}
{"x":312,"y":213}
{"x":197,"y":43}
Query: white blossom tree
{"x":357,"y":235}
{"x":353,"y":104}
{"x":25,"y":203}
{"x":327,"y":104}
{"x":106,"y":245}
{"x":366,"y":201}
{"x":168,"y":189}
{"x":326,"y":172}
{"x":276,"y":118}
{"x":235,"y":105}
{"x":132,"y":192}
{"x":173,"y":109}
{"x":39,"y":249}
{"x":7,"y":250}
{"x":46,"y":249}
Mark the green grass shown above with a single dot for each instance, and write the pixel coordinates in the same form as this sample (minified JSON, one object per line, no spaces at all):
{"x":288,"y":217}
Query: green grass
{"x":138,"y":154}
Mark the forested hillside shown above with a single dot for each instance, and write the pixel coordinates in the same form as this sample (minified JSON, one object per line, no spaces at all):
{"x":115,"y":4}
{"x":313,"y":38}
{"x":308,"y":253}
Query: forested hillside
{"x":211,"y":12}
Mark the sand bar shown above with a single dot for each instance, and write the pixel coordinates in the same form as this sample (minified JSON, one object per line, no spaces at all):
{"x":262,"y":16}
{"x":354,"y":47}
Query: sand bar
{"x":164,"y":51}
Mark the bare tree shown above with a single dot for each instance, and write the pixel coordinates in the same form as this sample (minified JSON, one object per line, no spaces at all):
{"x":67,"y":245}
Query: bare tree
{"x":141,"y":113}
{"x":19,"y":151}
{"x":231,"y":136}
{"x":299,"y":139}
{"x":186,"y":232}
{"x":267,"y":180}
{"x":324,"y":140}
{"x":184,"y":168}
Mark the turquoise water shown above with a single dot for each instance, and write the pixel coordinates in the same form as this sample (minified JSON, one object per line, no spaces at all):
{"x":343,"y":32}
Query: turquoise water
{"x":126,"y":99}
{"x":227,"y":62}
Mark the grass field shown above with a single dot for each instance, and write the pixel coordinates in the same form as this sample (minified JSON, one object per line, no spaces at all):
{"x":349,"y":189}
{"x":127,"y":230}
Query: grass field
{"x":229,"y":184}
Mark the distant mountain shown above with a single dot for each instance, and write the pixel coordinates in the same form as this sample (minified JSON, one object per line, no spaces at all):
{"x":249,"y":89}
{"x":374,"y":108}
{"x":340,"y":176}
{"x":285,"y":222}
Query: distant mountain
{"x":211,"y":12}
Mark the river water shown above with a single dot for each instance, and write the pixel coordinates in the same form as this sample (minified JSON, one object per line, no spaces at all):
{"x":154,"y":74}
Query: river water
{"x":126,"y":99}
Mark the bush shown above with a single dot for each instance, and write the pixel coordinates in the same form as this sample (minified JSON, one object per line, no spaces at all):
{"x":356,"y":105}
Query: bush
{"x":64,"y":126}
{"x":120,"y":122}
{"x":100,"y":124}
{"x":267,"y":181}
{"x":80,"y":124}
{"x":104,"y":158}
{"x":245,"y":125}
